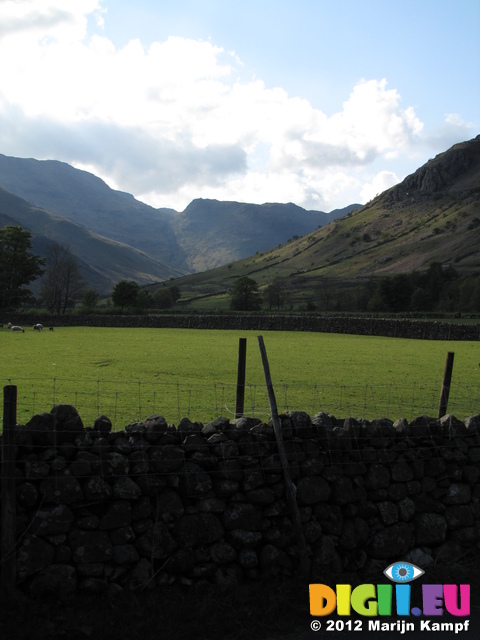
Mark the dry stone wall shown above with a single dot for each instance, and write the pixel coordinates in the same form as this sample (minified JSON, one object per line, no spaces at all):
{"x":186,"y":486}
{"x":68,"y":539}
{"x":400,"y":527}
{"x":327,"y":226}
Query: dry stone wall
{"x":390,"y":327}
{"x":101,"y":510}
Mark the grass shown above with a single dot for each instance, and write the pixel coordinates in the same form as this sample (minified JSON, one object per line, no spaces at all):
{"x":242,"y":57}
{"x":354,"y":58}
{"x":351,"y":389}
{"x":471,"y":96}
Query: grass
{"x":128,"y":374}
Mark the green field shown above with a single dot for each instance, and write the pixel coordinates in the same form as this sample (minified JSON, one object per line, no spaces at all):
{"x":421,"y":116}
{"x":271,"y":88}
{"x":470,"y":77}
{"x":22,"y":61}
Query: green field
{"x":128,"y":374}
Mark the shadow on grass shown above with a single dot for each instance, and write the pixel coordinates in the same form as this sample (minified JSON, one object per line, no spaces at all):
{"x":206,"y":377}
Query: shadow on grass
{"x":260,"y":610}
{"x":264,"y":610}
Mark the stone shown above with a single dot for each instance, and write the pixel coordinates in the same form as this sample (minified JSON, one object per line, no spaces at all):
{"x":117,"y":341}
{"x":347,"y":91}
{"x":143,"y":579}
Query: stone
{"x":61,"y":490}
{"x":198,"y":528}
{"x":430,"y":528}
{"x":118,"y":514}
{"x":90,"y":546}
{"x":125,"y":554}
{"x":313,"y":489}
{"x":242,"y":516}
{"x":166,"y":459}
{"x":102,"y":424}
{"x":180,"y":562}
{"x":126,"y":489}
{"x":67,"y":423}
{"x":458,"y":516}
{"x":247,"y":559}
{"x":241,"y":538}
{"x":401,"y":471}
{"x":169,"y":506}
{"x":117,"y":464}
{"x":377,"y":477}
{"x":458,"y":493}
{"x":192,"y":481}
{"x":155,"y":427}
{"x":222,"y":553}
{"x":392,"y":541}
{"x":142,"y":576}
{"x":388,"y":512}
{"x":274,"y":561}
{"x":156,"y":543}
{"x":96,"y":489}
{"x":52,"y":520}
{"x":26,"y":494}
{"x":34,"y":555}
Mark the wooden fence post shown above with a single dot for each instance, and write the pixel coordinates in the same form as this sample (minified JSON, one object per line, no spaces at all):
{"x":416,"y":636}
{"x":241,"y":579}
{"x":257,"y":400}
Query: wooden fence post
{"x":289,"y":487}
{"x":447,"y":379}
{"x":8,"y":529}
{"x":240,"y":398}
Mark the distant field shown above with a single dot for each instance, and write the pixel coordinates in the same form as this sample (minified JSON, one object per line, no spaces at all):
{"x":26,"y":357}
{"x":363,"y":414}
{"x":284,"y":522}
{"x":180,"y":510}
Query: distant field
{"x":128,"y":374}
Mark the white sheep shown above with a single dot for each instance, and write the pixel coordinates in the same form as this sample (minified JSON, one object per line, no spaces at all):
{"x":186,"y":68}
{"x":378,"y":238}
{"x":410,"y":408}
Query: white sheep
{"x":37,"y":327}
{"x":15,"y":327}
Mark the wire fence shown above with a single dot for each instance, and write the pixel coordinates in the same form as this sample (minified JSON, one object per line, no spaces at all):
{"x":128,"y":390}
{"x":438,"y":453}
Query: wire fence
{"x":129,"y":401}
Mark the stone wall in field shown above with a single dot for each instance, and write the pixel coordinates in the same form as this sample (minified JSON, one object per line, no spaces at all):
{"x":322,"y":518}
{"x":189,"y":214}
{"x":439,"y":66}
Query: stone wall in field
{"x":153,"y":504}
{"x":391,"y":327}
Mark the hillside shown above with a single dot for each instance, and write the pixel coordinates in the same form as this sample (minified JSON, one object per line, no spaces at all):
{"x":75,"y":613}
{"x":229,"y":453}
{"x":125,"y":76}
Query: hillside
{"x":432,"y":216}
{"x":85,"y":199}
{"x":207,"y":234}
{"x":212,"y":233}
{"x":103,"y":262}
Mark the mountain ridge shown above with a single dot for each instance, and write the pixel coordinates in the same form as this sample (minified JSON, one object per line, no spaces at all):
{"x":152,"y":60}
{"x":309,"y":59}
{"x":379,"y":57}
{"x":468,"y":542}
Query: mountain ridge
{"x":206,"y":234}
{"x":433,"y":215}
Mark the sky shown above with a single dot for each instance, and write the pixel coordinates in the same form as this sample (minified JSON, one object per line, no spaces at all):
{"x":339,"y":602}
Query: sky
{"x":322,"y":103}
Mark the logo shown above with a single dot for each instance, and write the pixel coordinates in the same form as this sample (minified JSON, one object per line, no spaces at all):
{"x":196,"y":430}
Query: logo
{"x":382,"y":600}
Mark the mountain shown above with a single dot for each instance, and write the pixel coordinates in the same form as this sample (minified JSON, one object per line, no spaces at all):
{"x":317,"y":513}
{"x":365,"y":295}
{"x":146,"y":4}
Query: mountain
{"x":103,"y":262}
{"x":208,"y":233}
{"x":212,"y":233}
{"x":85,"y":199}
{"x":433,"y":215}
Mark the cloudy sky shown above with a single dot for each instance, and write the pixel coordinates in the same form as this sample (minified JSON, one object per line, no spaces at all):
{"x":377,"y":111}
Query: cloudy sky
{"x":318,"y":102}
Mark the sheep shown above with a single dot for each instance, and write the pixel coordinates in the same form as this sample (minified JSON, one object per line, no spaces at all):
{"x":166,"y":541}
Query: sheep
{"x":50,"y":328}
{"x":37,"y":327}
{"x":15,"y":327}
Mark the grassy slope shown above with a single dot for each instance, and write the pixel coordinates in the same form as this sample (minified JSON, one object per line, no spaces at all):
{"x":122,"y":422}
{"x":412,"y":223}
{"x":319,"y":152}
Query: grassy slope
{"x":103,"y":261}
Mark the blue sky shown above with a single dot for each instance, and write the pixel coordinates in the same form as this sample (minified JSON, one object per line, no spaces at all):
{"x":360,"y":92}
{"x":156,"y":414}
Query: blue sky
{"x":315,"y":102}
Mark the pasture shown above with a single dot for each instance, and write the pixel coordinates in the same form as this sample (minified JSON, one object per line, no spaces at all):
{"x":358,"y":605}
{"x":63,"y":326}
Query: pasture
{"x":127,"y":374}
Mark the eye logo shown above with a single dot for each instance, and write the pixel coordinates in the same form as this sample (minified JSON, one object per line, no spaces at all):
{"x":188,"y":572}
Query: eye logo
{"x":403,"y":572}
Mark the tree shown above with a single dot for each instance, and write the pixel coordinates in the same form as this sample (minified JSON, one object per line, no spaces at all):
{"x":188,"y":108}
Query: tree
{"x":274,"y":294}
{"x":166,"y":298}
{"x":144,"y":300}
{"x":18,"y":267}
{"x":163,"y":299}
{"x":125,"y":293}
{"x":245,"y":295}
{"x":63,"y":283}
{"x":90,"y":299}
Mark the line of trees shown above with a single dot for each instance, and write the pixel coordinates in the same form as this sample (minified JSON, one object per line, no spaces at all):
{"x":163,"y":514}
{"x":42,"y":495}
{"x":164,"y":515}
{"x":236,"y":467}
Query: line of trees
{"x":127,"y":294}
{"x":436,"y":289}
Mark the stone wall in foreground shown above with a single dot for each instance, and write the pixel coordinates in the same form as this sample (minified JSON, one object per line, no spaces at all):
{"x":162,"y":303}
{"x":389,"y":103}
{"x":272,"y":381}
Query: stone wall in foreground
{"x":153,"y":504}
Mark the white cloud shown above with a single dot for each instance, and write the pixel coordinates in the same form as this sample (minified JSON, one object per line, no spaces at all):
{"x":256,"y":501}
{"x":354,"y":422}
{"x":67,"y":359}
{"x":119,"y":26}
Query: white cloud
{"x":60,"y":20}
{"x":382,"y":181}
{"x":174,"y":121}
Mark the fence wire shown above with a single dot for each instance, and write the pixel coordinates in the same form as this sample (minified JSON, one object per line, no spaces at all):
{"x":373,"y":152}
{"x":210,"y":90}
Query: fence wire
{"x":129,"y":401}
